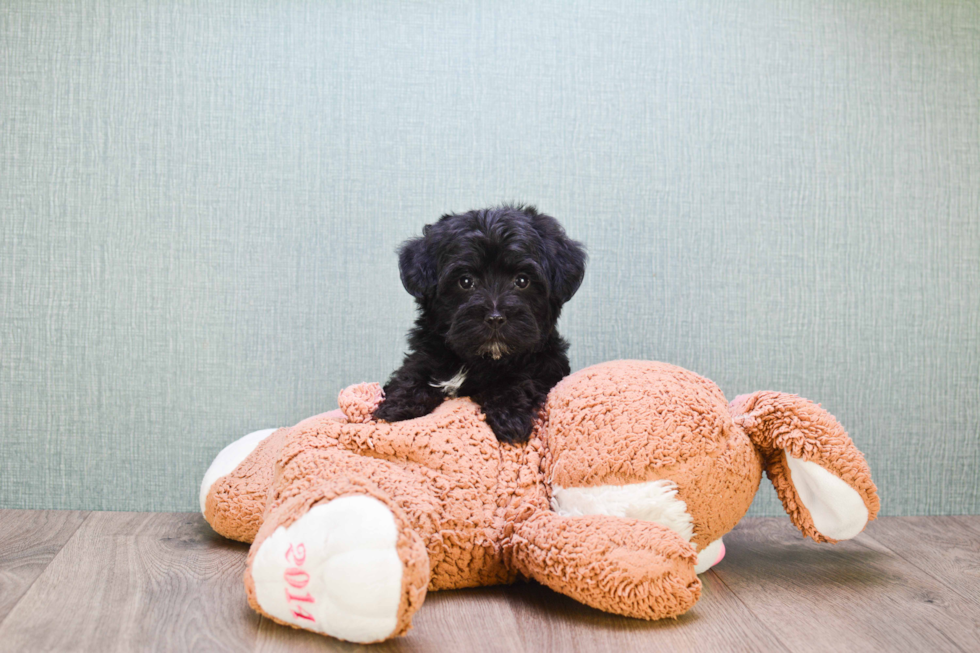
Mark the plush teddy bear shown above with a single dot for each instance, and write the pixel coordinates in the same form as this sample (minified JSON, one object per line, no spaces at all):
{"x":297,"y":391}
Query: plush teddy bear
{"x":634,"y":472}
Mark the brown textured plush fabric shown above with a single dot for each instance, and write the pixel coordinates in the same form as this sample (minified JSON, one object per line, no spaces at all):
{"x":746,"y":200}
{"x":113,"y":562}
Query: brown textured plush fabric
{"x":471,"y":511}
{"x":235,"y":504}
{"x":624,"y":566}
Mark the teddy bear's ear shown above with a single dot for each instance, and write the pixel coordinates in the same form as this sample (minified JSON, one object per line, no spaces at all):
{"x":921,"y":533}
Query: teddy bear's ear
{"x":417,"y":266}
{"x":822,"y":479}
{"x":564,"y":259}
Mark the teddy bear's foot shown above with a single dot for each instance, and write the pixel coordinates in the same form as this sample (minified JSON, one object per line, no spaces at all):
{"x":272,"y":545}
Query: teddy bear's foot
{"x":342,"y":569}
{"x":709,"y":556}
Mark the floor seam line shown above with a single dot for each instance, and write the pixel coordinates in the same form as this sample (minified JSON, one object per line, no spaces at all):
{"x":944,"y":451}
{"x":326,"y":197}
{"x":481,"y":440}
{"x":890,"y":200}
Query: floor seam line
{"x":928,"y":573}
{"x":27,"y":590}
{"x":751,"y":611}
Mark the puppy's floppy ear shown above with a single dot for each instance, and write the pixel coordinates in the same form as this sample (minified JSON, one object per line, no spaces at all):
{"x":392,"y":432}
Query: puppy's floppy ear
{"x":564,"y":258}
{"x":417,"y":266}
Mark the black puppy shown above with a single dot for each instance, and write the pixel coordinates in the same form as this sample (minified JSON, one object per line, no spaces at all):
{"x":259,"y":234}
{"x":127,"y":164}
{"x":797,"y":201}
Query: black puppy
{"x":489,"y":285}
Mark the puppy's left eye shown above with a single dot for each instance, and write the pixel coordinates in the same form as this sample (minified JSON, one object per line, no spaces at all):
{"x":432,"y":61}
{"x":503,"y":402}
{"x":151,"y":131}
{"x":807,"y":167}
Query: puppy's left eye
{"x":521,"y":281}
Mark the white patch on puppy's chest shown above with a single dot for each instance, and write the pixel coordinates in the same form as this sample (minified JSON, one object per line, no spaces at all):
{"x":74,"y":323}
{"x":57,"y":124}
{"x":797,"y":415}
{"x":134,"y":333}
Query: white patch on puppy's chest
{"x":451,"y":387}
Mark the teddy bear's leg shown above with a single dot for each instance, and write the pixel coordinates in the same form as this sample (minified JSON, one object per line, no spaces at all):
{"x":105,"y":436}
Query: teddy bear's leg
{"x":820,"y":476}
{"x":338,"y":556}
{"x":626,"y":566}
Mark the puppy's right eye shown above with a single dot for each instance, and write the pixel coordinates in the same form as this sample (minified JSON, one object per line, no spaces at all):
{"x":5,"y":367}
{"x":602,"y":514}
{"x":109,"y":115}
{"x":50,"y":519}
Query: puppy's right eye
{"x":465,"y":282}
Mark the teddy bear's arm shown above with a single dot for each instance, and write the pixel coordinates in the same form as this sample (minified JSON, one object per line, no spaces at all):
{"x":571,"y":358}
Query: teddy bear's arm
{"x":629,"y":567}
{"x":234,"y":489}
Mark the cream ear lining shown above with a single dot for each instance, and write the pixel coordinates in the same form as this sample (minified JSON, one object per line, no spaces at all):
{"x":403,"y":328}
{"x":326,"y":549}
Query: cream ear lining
{"x":837,"y":510}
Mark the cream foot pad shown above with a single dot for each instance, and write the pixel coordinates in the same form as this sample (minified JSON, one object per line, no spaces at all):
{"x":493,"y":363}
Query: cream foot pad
{"x":335,"y":570}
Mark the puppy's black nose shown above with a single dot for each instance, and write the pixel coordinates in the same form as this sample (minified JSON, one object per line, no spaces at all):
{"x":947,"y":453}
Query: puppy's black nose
{"x":495,"y":320}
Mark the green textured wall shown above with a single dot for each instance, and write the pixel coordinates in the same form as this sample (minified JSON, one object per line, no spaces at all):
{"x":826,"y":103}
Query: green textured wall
{"x":199,"y":204}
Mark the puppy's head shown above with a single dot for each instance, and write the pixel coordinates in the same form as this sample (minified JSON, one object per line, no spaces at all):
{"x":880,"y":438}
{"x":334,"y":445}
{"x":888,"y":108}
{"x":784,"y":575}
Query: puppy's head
{"x":492,"y":282}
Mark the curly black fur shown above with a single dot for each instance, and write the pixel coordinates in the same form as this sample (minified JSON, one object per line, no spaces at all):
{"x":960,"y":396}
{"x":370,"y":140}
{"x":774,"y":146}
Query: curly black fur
{"x":490,"y":286}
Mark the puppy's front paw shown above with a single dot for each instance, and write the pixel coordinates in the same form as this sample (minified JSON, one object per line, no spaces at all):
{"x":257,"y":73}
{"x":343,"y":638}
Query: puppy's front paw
{"x":404,"y":401}
{"x":392,"y":411}
{"x":511,"y":426}
{"x":398,"y":407}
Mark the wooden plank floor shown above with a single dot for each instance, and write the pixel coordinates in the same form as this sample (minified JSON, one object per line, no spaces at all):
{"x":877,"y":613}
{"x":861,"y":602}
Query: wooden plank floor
{"x":99,"y":581}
